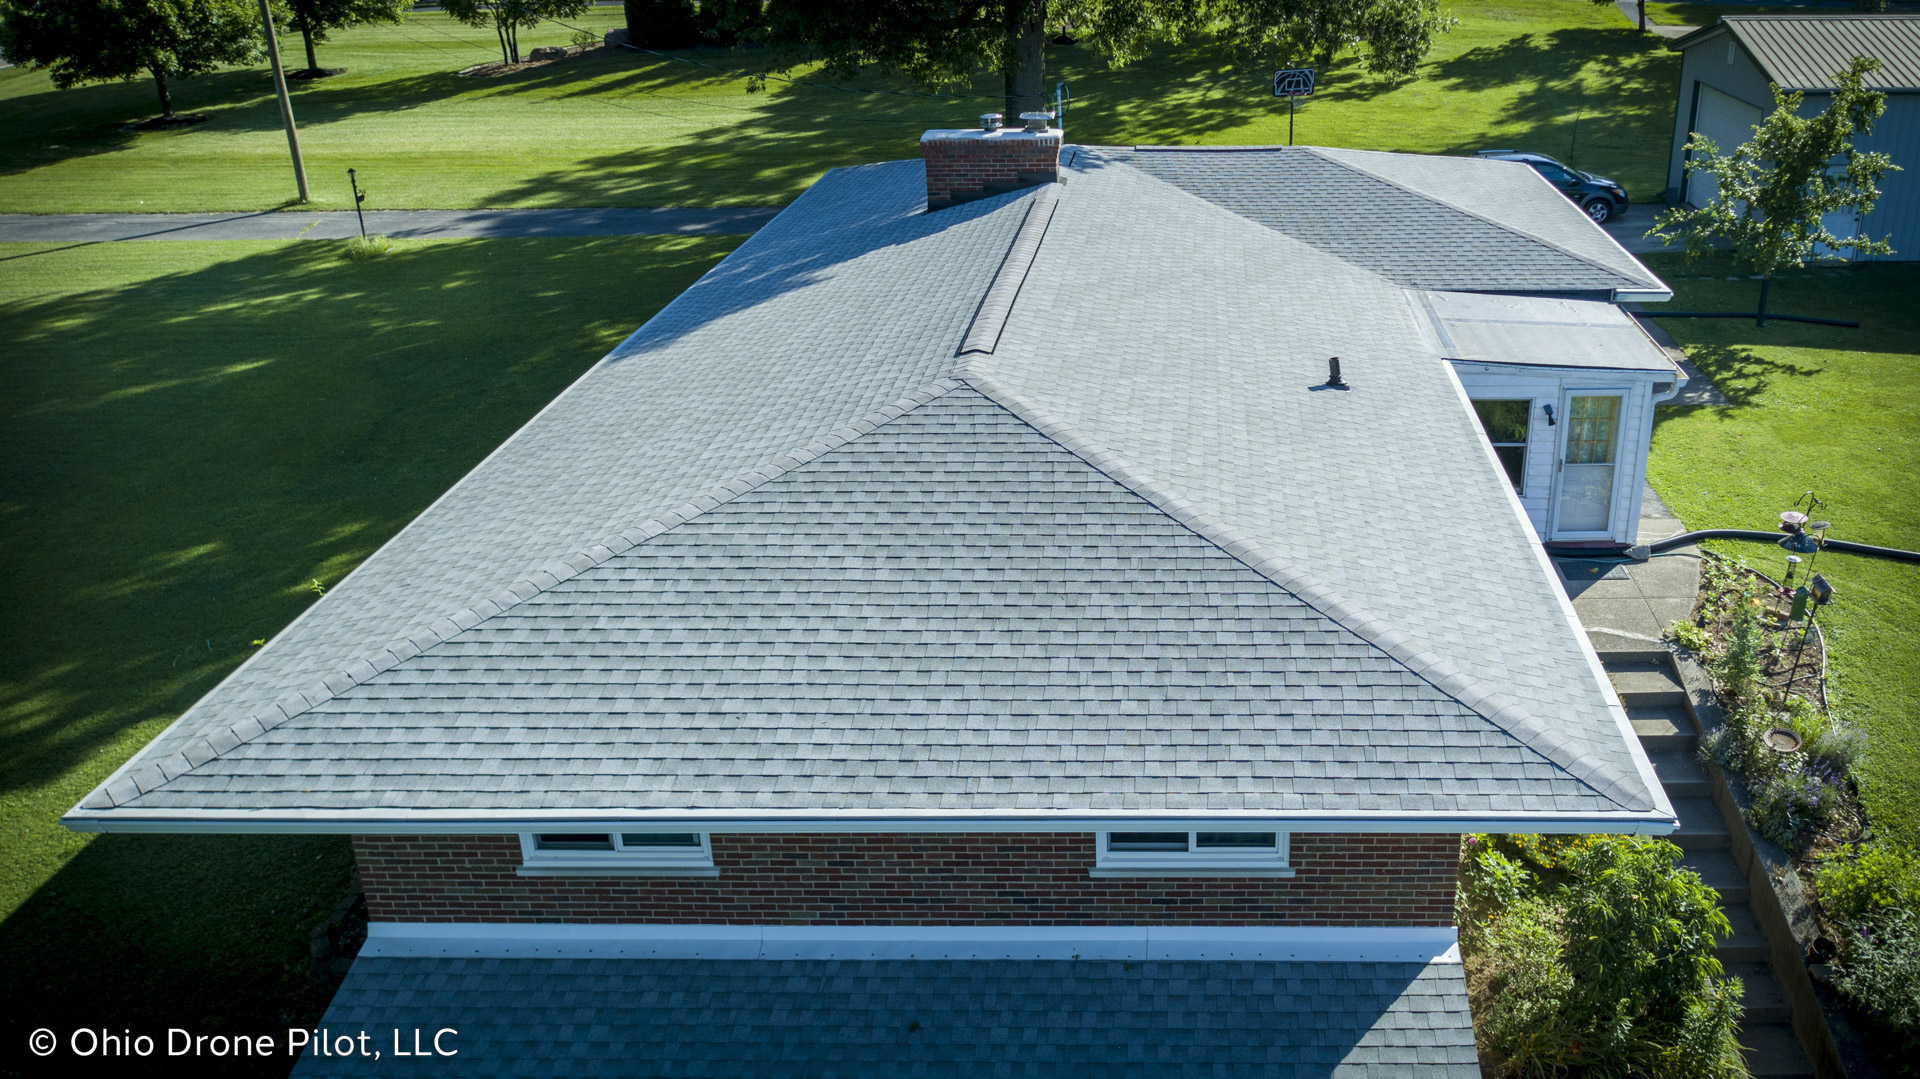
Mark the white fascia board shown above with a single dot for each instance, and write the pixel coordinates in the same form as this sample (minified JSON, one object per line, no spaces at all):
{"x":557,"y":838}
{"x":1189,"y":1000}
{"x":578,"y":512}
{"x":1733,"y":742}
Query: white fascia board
{"x":1135,"y":943}
{"x":1660,"y":821}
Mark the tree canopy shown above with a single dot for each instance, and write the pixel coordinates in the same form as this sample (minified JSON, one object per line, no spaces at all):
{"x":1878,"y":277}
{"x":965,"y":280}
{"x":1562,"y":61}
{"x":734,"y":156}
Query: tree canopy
{"x":314,"y":18}
{"x":509,"y":17}
{"x":81,"y":41}
{"x":1777,"y":189}
{"x":941,"y":43}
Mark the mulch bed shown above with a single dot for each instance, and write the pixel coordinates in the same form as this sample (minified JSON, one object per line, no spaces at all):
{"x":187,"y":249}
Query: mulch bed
{"x":316,"y":72}
{"x":497,"y":68}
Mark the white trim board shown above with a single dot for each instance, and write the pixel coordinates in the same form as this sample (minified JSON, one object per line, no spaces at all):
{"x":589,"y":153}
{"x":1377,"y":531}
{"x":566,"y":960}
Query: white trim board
{"x":1295,"y":944}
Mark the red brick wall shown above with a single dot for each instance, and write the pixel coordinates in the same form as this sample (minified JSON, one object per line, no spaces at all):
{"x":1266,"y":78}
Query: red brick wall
{"x":961,"y":170}
{"x":1036,"y":879}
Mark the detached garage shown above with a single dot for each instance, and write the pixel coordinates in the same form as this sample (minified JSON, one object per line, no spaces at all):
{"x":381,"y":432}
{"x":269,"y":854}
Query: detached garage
{"x":1724,"y":93}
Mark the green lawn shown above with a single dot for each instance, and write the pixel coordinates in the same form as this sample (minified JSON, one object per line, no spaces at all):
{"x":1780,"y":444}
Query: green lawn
{"x":1835,"y":411}
{"x":620,"y":129}
{"x":193,"y":432}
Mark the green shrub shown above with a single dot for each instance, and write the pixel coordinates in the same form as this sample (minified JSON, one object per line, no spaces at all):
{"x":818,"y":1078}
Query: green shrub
{"x":361,"y":248}
{"x":1603,"y":966}
{"x":1825,"y":739}
{"x":1739,"y":667}
{"x":1691,"y":637}
{"x":1866,"y":879}
{"x":1879,"y":969}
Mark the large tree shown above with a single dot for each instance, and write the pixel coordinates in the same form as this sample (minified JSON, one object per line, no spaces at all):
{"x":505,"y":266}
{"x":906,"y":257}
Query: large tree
{"x":81,"y":41}
{"x":314,"y":18}
{"x":509,"y":17}
{"x":1776,"y":190}
{"x":943,"y":43}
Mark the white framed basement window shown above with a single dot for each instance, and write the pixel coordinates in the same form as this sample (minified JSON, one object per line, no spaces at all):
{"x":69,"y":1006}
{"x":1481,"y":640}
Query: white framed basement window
{"x":641,"y":854}
{"x":1192,"y":854}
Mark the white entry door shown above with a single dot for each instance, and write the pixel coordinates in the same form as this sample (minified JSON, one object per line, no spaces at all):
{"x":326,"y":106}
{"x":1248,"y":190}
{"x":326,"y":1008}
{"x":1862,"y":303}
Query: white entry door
{"x":1589,"y":466}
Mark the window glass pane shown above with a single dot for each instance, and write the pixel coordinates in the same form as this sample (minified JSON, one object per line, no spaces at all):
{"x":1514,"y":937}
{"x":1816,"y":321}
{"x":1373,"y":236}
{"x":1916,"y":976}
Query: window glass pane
{"x":1504,"y":421}
{"x":1591,"y":422}
{"x":1147,"y":841}
{"x":1514,"y":460}
{"x":573,"y":841}
{"x":1235,"y":840}
{"x":659,"y":839}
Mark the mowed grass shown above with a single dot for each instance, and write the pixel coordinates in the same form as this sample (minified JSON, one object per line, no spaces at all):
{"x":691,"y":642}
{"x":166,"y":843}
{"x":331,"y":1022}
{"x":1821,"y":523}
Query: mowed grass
{"x":195,"y":432}
{"x":1835,"y":411}
{"x":622,"y":129}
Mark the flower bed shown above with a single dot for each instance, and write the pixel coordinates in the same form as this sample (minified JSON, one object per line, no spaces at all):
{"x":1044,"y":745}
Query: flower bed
{"x":1796,"y":760}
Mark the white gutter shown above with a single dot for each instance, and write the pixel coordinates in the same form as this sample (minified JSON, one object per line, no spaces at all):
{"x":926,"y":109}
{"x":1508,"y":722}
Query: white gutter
{"x":1292,"y":943}
{"x":1642,"y":295}
{"x":1658,"y":821}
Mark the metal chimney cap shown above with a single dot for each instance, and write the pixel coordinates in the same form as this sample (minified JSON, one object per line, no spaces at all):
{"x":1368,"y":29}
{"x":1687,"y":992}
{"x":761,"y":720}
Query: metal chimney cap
{"x":1037,"y":121}
{"x":989,"y":121}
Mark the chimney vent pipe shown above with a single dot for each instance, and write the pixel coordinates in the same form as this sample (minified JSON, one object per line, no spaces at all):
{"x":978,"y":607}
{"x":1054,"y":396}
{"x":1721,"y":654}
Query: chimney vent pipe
{"x":989,"y":121}
{"x":1037,"y":122}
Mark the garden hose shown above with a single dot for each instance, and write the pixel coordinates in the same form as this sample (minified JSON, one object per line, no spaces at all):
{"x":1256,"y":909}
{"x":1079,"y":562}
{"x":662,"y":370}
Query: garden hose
{"x":1845,"y":546}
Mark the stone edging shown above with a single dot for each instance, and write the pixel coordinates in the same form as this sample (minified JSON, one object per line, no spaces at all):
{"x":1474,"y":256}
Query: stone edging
{"x":1780,"y":904}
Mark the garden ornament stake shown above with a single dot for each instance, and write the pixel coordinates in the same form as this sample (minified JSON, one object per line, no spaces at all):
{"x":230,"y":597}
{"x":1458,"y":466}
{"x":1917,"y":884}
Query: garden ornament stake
{"x":359,"y":197}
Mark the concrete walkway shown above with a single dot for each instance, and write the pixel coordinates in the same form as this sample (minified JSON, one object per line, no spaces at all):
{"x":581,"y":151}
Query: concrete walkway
{"x":399,"y":224}
{"x":1631,"y":9}
{"x":1624,"y":607}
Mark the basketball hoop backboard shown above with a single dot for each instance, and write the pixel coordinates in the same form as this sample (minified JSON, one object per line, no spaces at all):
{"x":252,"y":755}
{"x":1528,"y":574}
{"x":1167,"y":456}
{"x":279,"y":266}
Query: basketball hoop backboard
{"x":1293,"y":82}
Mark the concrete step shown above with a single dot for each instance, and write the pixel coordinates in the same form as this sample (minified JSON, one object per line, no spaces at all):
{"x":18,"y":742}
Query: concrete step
{"x":1681,"y":773}
{"x":1647,"y":684}
{"x":1773,"y":1052}
{"x":1626,"y":652}
{"x":1663,"y":730}
{"x":1720,"y":872}
{"x":1701,"y":826}
{"x":1761,"y":995}
{"x":1748,"y":944}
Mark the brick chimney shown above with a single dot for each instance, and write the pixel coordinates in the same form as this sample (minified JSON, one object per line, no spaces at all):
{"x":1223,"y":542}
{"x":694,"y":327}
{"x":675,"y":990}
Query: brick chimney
{"x":964,"y":164}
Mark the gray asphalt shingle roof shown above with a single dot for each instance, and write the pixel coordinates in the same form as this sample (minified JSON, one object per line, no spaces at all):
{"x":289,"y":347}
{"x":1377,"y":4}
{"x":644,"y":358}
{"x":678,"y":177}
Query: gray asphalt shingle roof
{"x":1806,"y":52}
{"x":1463,"y":224}
{"x":667,"y":1017}
{"x":786,"y":550}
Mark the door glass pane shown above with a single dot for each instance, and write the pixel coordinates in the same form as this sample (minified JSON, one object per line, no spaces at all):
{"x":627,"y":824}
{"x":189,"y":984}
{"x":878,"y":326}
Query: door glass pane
{"x":1147,"y":841}
{"x":1586,"y":475}
{"x":1591,"y":425}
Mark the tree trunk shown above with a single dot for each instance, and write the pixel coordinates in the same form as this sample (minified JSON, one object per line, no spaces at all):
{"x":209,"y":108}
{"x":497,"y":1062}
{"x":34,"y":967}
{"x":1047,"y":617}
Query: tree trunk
{"x":1026,"y":75}
{"x":313,"y":65}
{"x":513,"y":41}
{"x":166,"y":98}
{"x":500,"y":31}
{"x":1642,"y":6}
{"x":1766,"y":282}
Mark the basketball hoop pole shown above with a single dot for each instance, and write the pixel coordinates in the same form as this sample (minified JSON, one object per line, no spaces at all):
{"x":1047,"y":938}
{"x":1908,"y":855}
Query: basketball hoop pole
{"x":1292,"y":99}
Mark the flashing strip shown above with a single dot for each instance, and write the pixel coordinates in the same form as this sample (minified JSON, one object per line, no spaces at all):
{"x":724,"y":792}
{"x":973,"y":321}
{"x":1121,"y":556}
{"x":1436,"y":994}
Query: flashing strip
{"x":1659,"y":821}
{"x":1294,"y":944}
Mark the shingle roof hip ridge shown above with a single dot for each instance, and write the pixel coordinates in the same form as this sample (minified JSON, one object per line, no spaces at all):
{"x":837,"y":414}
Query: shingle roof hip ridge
{"x":419,"y":638}
{"x":996,"y":304}
{"x":1501,"y":225}
{"x":1598,"y":776}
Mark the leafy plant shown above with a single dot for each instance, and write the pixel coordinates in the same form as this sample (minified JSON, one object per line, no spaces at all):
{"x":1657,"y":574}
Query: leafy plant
{"x":1739,"y":666}
{"x":83,"y":41}
{"x":1880,"y":970}
{"x":361,"y":248}
{"x":1693,"y":638}
{"x":1776,"y":190}
{"x":1867,"y":878}
{"x":1825,"y":739}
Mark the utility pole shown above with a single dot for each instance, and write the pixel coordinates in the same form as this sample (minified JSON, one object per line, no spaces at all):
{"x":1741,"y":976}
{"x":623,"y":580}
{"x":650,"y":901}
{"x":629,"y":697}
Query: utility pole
{"x":286,"y":103}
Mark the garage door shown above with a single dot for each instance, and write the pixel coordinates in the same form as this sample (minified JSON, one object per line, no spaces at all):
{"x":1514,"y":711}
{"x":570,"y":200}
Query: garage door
{"x":1728,"y":121}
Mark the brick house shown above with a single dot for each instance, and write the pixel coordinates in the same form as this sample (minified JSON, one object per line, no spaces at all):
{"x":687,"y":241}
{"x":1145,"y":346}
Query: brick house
{"x":969,"y":629}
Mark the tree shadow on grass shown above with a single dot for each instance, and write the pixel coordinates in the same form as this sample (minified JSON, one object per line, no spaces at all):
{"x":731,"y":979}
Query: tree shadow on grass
{"x":188,"y":453}
{"x":1587,"y":96}
{"x":1743,"y":375}
{"x":139,"y":933}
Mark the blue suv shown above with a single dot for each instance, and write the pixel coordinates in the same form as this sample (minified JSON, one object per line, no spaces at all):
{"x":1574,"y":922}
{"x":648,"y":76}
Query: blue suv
{"x":1600,"y":197}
